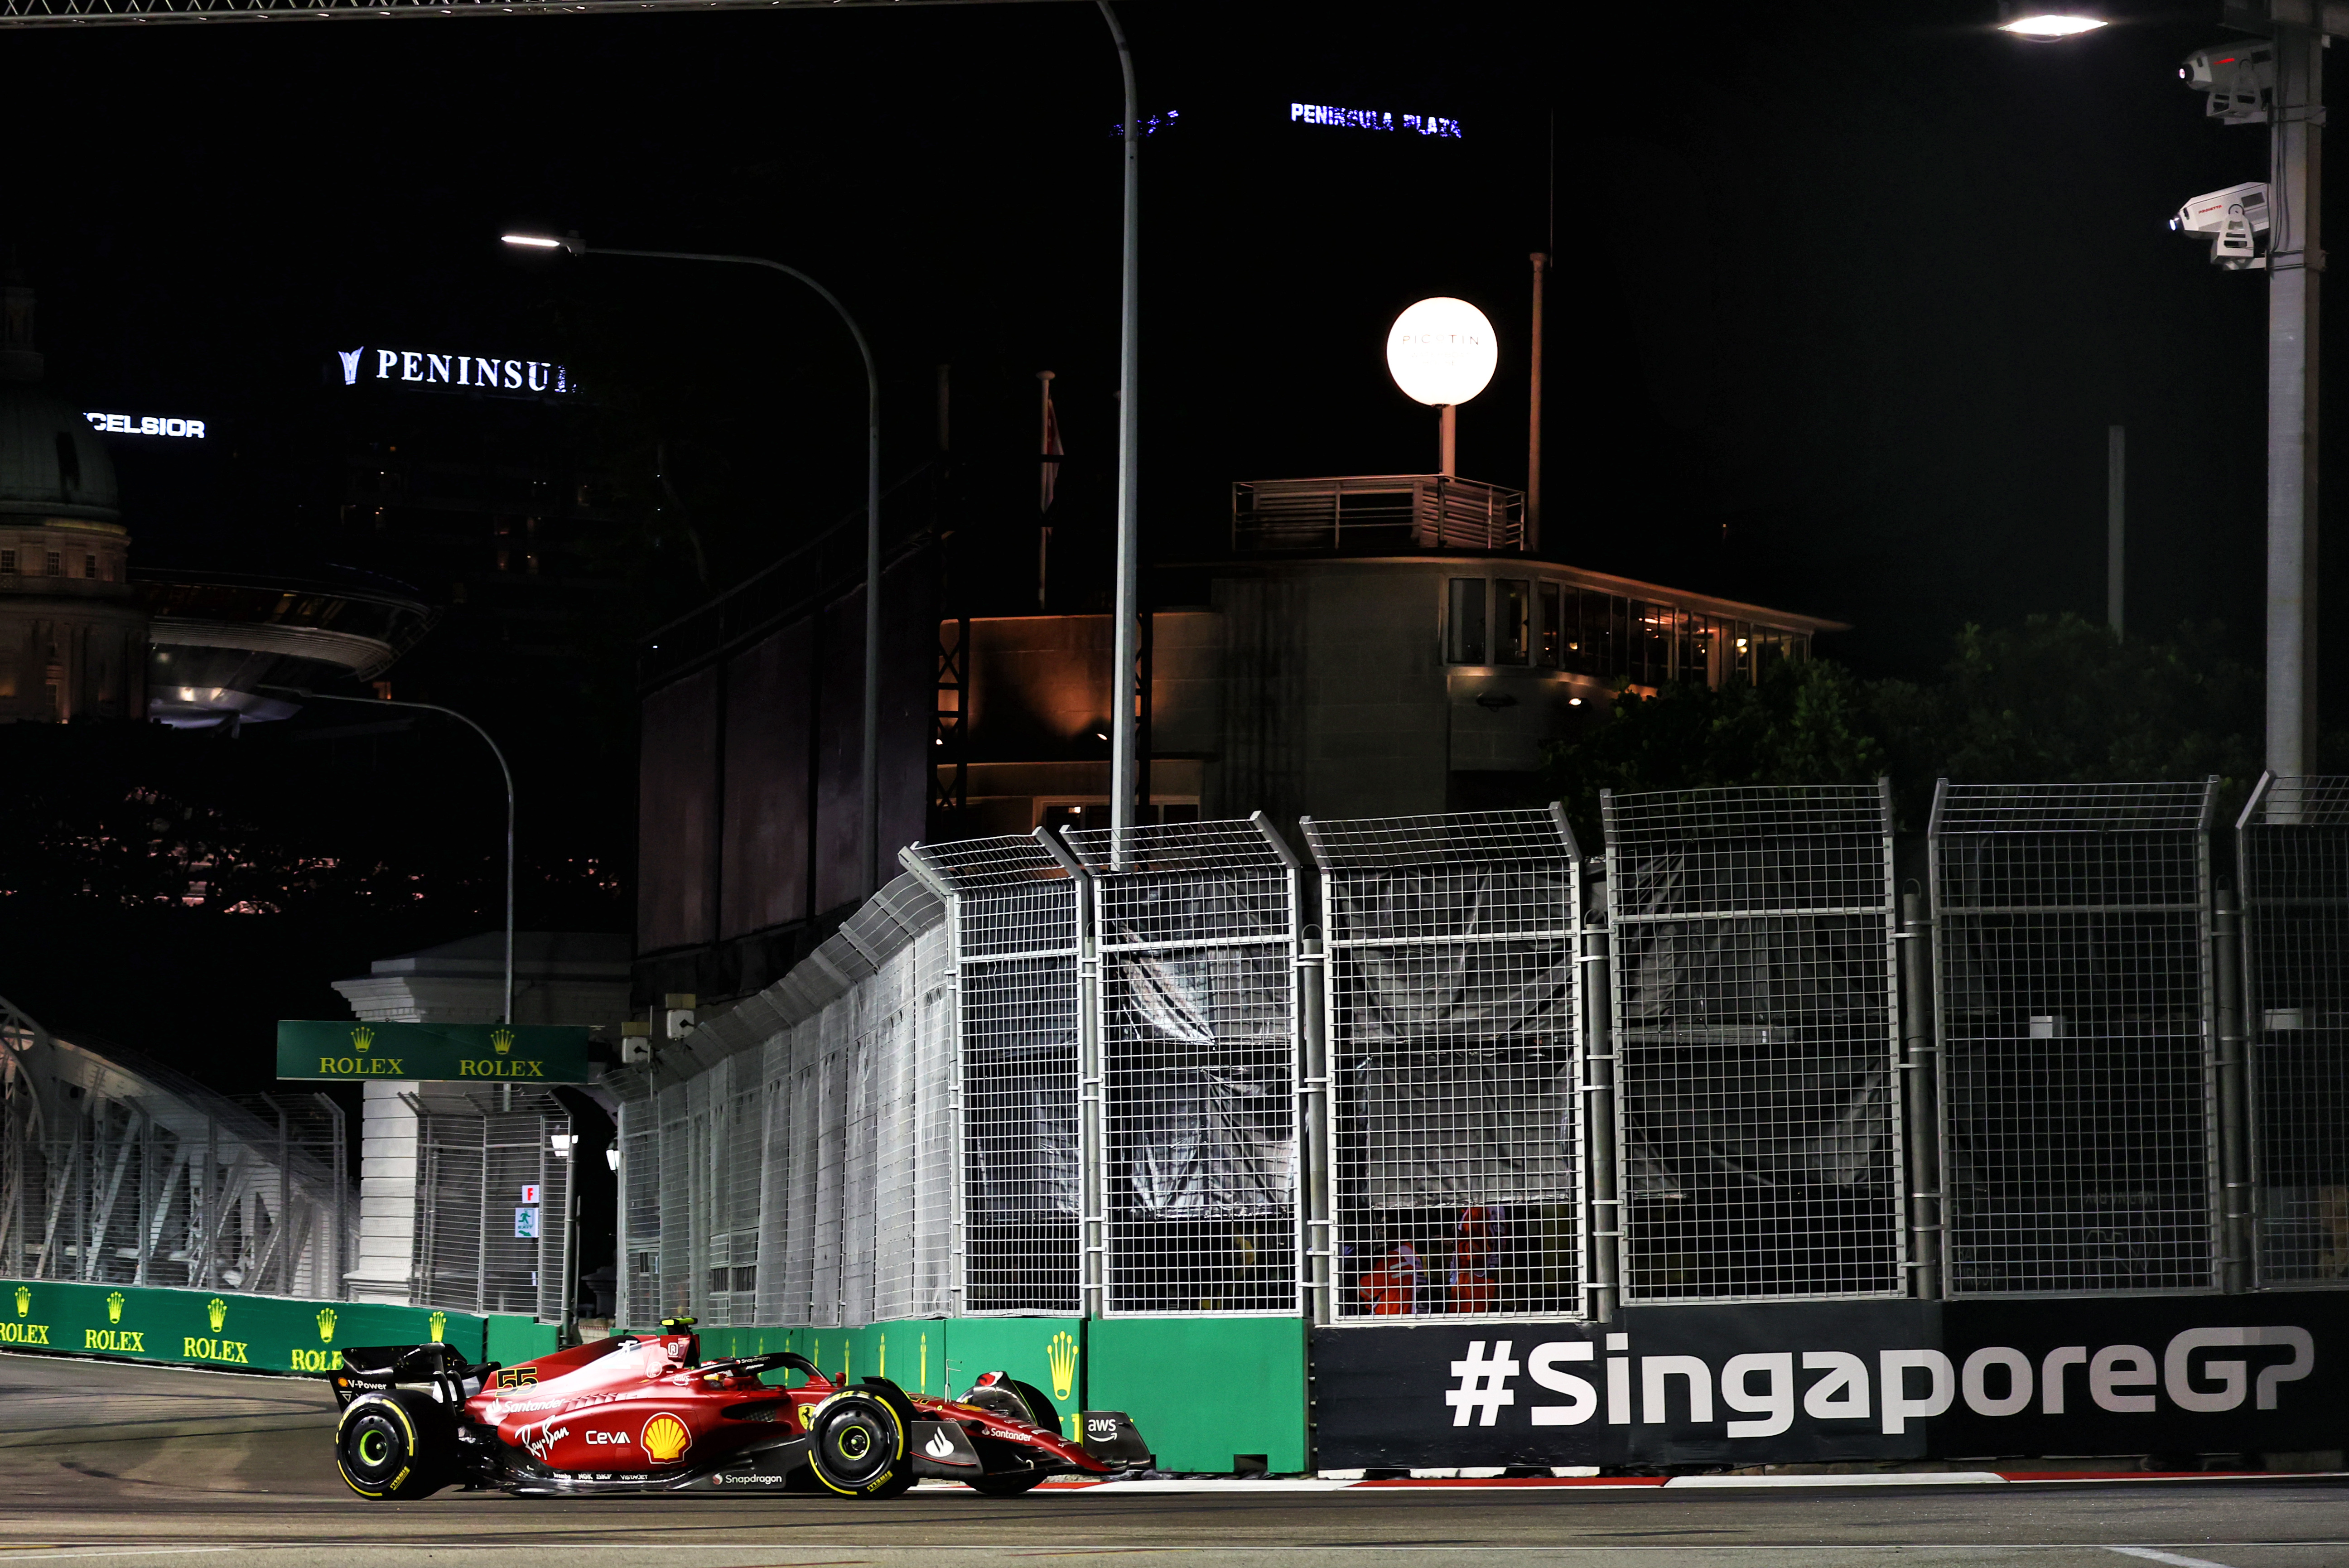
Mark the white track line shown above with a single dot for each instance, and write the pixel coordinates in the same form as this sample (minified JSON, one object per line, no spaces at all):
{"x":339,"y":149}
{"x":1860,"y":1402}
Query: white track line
{"x":2172,"y":1558}
{"x":1930,"y":1478}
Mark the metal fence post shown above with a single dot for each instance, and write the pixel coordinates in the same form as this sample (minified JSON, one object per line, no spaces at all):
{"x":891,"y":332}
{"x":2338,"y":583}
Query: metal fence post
{"x":1092,"y":1152}
{"x":1923,"y":1122}
{"x":1313,"y":1128}
{"x":2235,"y":1241}
{"x":1599,"y":1123}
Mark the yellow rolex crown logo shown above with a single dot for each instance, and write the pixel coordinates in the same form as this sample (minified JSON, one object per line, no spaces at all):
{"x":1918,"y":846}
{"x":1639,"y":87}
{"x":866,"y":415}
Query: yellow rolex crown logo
{"x":502,"y":1041}
{"x":114,"y":1306}
{"x":23,"y":1301}
{"x":1063,"y":1353}
{"x":362,"y":1037}
{"x":326,"y":1325}
{"x":440,"y":1321}
{"x":217,"y":1310}
{"x":664,"y":1438}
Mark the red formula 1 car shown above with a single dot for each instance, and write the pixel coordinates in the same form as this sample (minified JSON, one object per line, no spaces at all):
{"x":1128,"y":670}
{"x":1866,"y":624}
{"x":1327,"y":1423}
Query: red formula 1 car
{"x":629,"y":1414}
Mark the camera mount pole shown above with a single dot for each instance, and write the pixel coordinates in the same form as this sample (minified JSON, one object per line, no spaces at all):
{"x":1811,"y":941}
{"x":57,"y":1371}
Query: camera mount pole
{"x":2295,"y":261}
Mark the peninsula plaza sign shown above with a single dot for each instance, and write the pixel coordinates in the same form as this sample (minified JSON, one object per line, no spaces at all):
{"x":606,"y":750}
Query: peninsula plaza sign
{"x":1371,"y":119}
{"x":339,"y":1050}
{"x":453,"y":372}
{"x":146,"y":425}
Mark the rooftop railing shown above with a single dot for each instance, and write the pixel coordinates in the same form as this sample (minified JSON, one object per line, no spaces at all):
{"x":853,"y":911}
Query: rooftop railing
{"x":1375,"y":512}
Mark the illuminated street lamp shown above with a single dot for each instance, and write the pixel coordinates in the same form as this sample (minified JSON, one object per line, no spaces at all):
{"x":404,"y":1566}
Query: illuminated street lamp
{"x":1442,"y":352}
{"x":571,"y":245}
{"x":2045,"y":26}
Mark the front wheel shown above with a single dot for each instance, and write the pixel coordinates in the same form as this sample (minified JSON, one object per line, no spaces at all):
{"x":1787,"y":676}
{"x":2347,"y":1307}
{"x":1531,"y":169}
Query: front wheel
{"x":857,"y":1446}
{"x":1010,"y":1484}
{"x":392,"y":1445}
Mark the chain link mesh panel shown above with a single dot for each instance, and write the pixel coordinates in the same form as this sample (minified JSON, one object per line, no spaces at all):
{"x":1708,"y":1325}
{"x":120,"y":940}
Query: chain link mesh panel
{"x":2074,"y":1004}
{"x":1753,"y":994}
{"x":640,"y":1300}
{"x":1196,"y":925}
{"x":2292,"y":843}
{"x":491,"y":1199}
{"x":1015,"y":960}
{"x":1455,"y":1114}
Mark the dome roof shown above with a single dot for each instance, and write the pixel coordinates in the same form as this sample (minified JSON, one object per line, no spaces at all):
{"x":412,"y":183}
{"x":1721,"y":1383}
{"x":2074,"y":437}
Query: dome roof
{"x":52,"y":464}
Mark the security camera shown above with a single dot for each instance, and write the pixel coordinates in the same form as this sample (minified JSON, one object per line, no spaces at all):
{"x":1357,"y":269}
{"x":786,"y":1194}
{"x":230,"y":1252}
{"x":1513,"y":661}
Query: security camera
{"x":2232,"y":218}
{"x":2238,"y":80}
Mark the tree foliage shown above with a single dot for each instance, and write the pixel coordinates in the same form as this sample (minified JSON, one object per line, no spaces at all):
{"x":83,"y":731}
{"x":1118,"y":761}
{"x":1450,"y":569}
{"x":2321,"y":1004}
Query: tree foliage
{"x":2055,"y":700}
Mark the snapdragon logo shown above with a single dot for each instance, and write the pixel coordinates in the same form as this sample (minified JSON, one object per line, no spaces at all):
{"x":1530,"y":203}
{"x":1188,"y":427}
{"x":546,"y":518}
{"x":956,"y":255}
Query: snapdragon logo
{"x":1760,"y":1393}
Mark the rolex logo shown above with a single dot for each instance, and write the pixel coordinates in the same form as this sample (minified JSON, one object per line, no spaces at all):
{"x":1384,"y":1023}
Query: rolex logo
{"x":216,"y":1311}
{"x":502,"y":1041}
{"x":362,"y":1037}
{"x":23,"y":1301}
{"x":1063,"y":1353}
{"x":326,"y":1325}
{"x":440,"y":1321}
{"x":114,"y":1306}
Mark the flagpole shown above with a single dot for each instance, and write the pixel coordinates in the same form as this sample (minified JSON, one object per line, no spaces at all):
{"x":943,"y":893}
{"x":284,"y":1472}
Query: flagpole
{"x":1044,"y":491}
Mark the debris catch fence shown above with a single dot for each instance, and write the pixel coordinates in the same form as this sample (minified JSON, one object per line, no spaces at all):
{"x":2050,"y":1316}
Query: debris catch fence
{"x":1466,"y":1070}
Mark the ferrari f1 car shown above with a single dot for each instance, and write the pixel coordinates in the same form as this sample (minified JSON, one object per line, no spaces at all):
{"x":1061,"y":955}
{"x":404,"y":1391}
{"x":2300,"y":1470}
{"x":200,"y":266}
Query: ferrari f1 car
{"x":647,"y":1414}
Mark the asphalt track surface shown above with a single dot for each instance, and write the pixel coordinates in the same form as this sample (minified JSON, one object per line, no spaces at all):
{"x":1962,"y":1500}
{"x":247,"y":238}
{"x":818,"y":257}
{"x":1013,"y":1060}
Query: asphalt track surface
{"x":158,"y":1468}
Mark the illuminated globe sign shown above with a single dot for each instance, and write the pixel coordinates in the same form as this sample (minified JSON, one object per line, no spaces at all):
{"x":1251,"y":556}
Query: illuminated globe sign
{"x":1442,"y":351}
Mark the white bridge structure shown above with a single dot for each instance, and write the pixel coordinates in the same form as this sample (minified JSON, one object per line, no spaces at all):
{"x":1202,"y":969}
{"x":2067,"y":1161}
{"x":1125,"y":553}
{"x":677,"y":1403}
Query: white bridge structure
{"x":119,"y":1170}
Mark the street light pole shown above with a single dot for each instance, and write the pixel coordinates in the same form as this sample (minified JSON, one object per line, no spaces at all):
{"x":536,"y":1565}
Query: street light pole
{"x":2296,"y":261}
{"x":1125,"y":642}
{"x":507,"y":772}
{"x":871,"y":750}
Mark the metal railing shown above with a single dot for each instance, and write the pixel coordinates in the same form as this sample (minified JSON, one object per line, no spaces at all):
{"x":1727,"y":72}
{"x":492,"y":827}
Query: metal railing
{"x":1373,"y":511}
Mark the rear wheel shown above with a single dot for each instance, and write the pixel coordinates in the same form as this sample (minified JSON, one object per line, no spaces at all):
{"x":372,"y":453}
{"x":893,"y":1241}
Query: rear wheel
{"x":393,"y":1446}
{"x":857,"y":1443}
{"x":1011,"y":1484}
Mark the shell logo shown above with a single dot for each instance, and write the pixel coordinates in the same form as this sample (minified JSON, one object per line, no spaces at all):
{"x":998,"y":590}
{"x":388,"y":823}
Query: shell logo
{"x":216,"y":1313}
{"x":665,"y":1439}
{"x":114,"y":1306}
{"x":326,"y":1318}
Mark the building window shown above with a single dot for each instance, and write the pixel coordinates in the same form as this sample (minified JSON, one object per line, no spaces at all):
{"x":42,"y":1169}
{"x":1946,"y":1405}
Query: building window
{"x":1552,"y":633}
{"x":56,"y":564}
{"x":1466,"y":628}
{"x":1513,"y":634}
{"x":89,"y":568}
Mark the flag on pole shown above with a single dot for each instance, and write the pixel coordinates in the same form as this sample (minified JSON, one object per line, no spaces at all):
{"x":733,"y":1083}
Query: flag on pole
{"x":1052,"y":450}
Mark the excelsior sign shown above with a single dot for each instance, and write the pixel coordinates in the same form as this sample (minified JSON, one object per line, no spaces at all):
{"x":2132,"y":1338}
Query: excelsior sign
{"x":341,"y":1051}
{"x":422,"y":368}
{"x":146,"y":425}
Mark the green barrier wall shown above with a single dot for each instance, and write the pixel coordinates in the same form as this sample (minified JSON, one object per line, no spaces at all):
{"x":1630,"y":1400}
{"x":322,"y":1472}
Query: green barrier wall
{"x":935,"y":1356}
{"x":1206,"y":1390}
{"x":510,"y":1339}
{"x":1202,"y":1390}
{"x":214,"y":1328}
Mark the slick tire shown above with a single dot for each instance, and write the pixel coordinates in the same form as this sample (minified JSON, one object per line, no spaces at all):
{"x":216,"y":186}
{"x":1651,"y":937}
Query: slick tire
{"x":393,"y":1446}
{"x":1011,"y":1484}
{"x":857,"y":1442}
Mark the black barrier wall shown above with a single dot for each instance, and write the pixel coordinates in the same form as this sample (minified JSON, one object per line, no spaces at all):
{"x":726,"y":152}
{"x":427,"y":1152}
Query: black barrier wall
{"x":1787,"y":1383}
